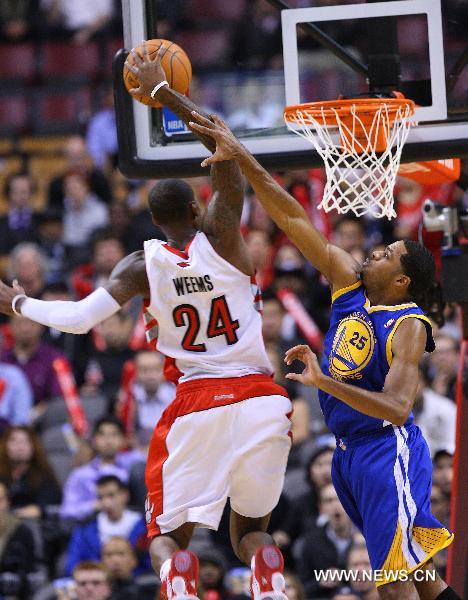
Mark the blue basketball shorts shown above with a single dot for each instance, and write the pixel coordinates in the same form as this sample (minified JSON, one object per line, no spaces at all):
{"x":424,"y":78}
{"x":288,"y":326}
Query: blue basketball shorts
{"x":383,"y":480}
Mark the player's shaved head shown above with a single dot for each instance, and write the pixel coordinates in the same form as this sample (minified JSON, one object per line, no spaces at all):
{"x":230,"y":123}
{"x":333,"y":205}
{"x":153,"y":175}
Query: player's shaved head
{"x":169,"y":201}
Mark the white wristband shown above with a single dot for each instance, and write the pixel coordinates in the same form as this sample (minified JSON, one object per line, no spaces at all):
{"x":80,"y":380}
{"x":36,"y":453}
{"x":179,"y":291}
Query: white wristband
{"x":158,"y":87}
{"x":15,"y":301}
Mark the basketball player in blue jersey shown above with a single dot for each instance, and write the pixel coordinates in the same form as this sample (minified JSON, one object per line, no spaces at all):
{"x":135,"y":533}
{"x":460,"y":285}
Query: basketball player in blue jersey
{"x":367,"y":383}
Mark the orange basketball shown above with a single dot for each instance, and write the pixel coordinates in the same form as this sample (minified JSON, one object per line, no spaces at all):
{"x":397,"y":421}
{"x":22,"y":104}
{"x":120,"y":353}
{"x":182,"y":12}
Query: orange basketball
{"x":175,"y":63}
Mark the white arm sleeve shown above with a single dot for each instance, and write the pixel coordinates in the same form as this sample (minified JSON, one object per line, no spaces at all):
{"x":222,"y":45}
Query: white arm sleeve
{"x":71,"y":317}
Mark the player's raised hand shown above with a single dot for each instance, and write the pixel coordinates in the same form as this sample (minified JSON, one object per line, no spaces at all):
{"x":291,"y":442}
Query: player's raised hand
{"x":312,"y":372}
{"x":228,"y":146}
{"x":147,"y":70}
{"x":7,"y":294}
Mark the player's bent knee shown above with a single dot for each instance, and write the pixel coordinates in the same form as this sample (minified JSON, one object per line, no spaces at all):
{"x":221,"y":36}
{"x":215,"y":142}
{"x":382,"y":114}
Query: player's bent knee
{"x":240,"y":526}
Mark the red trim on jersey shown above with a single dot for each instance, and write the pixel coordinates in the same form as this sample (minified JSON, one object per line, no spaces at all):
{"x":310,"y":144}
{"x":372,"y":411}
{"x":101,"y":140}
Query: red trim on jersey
{"x":290,"y":433}
{"x":171,"y":370}
{"x":195,"y":396}
{"x":180,"y":253}
{"x":150,"y":324}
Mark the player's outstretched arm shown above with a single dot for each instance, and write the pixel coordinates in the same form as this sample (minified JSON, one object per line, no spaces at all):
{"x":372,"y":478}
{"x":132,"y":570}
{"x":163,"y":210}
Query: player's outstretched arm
{"x":335,"y":264}
{"x":396,"y":400}
{"x":222,"y":219}
{"x":127,"y":280}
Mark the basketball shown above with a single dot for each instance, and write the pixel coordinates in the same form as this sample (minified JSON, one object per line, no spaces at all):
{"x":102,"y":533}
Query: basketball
{"x":174,"y":61}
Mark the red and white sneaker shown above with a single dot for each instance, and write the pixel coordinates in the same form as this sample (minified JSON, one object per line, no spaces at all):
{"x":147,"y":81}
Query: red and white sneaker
{"x":267,"y":581}
{"x":182,"y":579}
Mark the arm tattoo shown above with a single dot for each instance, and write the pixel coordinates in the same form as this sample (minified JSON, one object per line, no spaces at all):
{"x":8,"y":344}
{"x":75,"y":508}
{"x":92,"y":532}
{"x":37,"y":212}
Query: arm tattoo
{"x":225,"y":208}
{"x":129,"y":278}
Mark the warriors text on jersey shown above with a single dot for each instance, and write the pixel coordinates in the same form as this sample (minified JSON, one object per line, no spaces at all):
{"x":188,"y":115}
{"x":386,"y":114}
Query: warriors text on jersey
{"x":204,"y":311}
{"x":357,"y":350}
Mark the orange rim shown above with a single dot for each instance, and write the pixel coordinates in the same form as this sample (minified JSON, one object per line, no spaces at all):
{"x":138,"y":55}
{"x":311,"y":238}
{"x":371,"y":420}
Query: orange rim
{"x":331,"y":111}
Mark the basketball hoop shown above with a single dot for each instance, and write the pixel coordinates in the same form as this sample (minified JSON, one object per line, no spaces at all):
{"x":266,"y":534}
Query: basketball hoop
{"x":360,"y":142}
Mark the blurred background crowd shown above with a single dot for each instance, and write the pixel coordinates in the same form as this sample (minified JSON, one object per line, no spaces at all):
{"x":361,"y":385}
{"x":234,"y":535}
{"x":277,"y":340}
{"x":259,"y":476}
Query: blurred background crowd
{"x":77,"y":412}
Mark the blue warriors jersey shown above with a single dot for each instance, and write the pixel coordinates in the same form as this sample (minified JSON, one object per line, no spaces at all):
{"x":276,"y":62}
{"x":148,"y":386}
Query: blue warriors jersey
{"x":357,"y":350}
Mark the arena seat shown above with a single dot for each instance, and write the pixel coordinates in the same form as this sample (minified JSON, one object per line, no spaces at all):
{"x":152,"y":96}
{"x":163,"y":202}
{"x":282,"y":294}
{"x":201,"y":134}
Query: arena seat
{"x":209,"y":10}
{"x":56,"y":412}
{"x":65,"y":61}
{"x":18,"y":64}
{"x":58,"y":452}
{"x":111,"y":48}
{"x":61,"y":110}
{"x":197,"y":43}
{"x":14,"y":117}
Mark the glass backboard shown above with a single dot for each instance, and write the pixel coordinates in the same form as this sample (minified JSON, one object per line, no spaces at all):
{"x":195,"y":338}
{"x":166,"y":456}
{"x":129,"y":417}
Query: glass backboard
{"x":249,"y":70}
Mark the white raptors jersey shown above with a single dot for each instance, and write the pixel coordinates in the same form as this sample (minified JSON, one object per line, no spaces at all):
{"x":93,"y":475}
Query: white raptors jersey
{"x":205,"y":311}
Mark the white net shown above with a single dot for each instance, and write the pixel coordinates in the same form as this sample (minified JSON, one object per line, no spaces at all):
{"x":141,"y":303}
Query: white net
{"x":359,"y":178}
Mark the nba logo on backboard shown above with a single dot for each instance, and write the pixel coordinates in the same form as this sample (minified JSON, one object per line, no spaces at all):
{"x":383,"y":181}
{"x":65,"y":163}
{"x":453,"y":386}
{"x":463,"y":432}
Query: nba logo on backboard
{"x":172,"y":124}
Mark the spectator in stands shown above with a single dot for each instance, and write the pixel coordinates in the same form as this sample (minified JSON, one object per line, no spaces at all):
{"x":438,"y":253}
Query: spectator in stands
{"x":16,"y":397}
{"x":91,"y":582}
{"x":358,"y":562}
{"x":131,"y":230}
{"x":84,"y":212}
{"x":261,"y":252}
{"x":77,"y":348}
{"x":436,"y":416}
{"x":443,"y":365}
{"x":112,"y":519}
{"x":294,"y":589}
{"x":19,"y":223}
{"x":111,"y":353}
{"x":325,"y":546}
{"x":292,"y":272}
{"x":17,"y":557}
{"x":119,"y":558}
{"x":440,"y":504}
{"x":101,"y":134}
{"x":442,"y":471}
{"x":213,"y":567}
{"x":349,"y":233}
{"x":107,"y":251}
{"x":18,"y":20}
{"x":78,"y":160}
{"x":28,"y":265}
{"x":272,"y":320}
{"x":255,"y":107}
{"x":300,"y":418}
{"x":80,"y":21}
{"x":440,"y":508}
{"x":152,"y":393}
{"x":108,"y":441}
{"x":238,"y":583}
{"x":35,"y":358}
{"x":256,"y":42}
{"x":26,"y":472}
{"x":50,"y":239}
{"x":305,"y":509}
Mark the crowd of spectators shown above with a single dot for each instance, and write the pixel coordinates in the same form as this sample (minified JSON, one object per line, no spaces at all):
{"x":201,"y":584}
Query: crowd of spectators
{"x":72,"y":495}
{"x":81,"y":499}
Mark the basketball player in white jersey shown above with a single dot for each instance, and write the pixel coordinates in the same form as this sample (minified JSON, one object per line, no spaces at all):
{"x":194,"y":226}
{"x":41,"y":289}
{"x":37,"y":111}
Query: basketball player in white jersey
{"x":226,"y":434}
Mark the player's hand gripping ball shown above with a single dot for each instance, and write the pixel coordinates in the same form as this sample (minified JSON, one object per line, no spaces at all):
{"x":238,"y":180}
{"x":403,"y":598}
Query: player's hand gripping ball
{"x":173,"y":60}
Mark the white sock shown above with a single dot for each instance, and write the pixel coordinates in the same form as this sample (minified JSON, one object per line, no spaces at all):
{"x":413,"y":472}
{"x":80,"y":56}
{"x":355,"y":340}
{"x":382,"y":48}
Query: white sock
{"x":165,"y":567}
